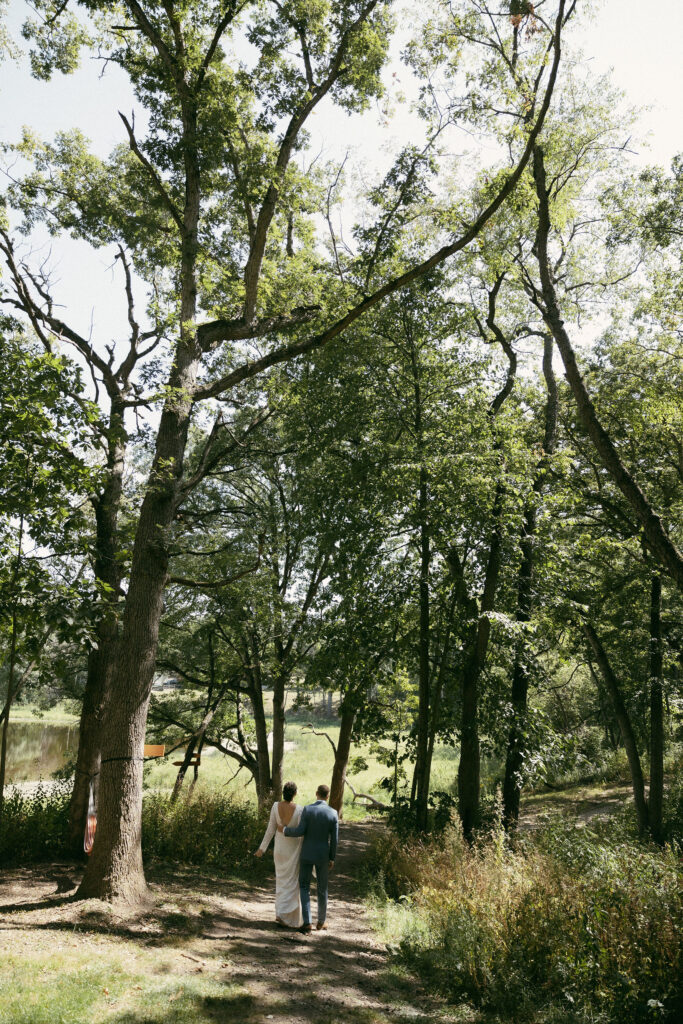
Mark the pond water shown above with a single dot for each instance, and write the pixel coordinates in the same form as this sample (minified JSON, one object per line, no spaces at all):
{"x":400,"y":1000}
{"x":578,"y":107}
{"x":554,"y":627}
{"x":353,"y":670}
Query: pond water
{"x":36,"y":749}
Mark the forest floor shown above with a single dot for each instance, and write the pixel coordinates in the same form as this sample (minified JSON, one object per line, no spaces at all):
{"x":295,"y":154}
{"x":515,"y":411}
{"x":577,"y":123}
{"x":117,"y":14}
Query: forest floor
{"x":205,"y":950}
{"x":584,"y":802}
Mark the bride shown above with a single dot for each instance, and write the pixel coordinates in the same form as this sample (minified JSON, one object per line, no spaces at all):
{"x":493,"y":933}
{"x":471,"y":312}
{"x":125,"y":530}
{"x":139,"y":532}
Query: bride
{"x":287,"y":852}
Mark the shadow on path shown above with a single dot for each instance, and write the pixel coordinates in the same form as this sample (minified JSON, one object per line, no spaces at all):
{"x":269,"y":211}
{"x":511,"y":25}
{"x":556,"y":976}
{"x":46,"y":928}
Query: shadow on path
{"x":227,"y":930}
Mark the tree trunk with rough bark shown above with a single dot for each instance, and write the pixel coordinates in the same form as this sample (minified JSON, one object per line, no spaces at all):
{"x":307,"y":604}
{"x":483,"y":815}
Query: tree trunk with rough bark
{"x":114,"y":870}
{"x":12,"y":665}
{"x":656,"y":795}
{"x":624,"y":721}
{"x":341,"y":758}
{"x":279,"y":724}
{"x":424,"y":711}
{"x":264,"y":787}
{"x":520,"y":676}
{"x":101,"y":661}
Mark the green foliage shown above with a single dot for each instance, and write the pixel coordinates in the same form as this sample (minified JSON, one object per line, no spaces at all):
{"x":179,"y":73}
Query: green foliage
{"x":34,"y":824}
{"x":210,"y":829}
{"x":572,"y":926}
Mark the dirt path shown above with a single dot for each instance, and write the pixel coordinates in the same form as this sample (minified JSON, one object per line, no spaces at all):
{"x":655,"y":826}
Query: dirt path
{"x":208,"y":925}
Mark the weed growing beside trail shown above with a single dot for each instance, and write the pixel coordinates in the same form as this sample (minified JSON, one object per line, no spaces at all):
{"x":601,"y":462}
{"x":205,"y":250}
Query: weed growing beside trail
{"x":211,"y":828}
{"x":572,"y":926}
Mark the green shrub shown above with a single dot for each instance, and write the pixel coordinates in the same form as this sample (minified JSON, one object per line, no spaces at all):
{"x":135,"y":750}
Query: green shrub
{"x":208,"y":828}
{"x":571,"y":923}
{"x":34,"y":824}
{"x":211,"y":829}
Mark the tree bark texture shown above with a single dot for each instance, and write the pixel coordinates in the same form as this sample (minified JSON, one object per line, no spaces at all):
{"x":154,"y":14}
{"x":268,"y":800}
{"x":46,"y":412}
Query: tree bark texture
{"x":516,"y":748}
{"x":626,"y":728}
{"x":656,"y":795}
{"x":278,"y":751}
{"x":12,"y":665}
{"x":663,"y":548}
{"x":341,"y":758}
{"x":422,"y":772}
{"x":469,"y":768}
{"x":101,"y":661}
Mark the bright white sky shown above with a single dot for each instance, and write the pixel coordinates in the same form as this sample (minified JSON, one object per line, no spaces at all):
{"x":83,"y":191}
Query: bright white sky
{"x":641,"y":42}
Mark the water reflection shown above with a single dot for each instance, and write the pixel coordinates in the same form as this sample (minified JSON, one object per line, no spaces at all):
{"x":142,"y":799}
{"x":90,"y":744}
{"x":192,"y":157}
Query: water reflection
{"x":36,"y":749}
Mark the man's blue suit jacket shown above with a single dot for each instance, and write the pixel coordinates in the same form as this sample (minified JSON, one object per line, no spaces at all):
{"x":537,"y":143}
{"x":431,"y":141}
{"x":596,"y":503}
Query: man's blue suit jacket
{"x":319,"y":826}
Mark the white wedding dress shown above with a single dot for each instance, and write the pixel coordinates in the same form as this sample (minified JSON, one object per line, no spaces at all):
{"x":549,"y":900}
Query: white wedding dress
{"x":287,"y":852}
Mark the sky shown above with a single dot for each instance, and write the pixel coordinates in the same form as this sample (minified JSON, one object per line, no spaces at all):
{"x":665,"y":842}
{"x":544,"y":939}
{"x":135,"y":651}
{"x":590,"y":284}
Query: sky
{"x":640,"y":42}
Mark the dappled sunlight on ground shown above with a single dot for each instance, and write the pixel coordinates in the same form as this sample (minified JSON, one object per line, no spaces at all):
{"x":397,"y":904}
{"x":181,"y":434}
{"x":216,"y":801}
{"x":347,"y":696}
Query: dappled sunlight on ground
{"x":204,"y":948}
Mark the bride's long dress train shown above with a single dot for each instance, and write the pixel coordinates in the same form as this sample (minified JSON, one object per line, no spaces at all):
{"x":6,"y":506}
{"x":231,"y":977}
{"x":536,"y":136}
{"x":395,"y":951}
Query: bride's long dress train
{"x":287,"y":853}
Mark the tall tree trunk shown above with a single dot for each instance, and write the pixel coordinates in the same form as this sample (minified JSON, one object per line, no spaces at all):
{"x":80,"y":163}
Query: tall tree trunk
{"x":264,"y":787}
{"x":661,"y":545}
{"x":422,"y":772}
{"x":656,"y":796}
{"x":87,"y":771}
{"x":341,"y":757}
{"x":114,"y":869}
{"x":279,"y":722}
{"x":626,"y":728}
{"x":7,"y":709}
{"x":436,"y":696}
{"x":469,"y":768}
{"x":12,"y":665}
{"x":101,"y":660}
{"x":516,"y":749}
{"x":420,"y":788}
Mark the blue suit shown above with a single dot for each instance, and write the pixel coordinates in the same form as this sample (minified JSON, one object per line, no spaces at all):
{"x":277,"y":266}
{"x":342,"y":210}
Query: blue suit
{"x":319,"y":825}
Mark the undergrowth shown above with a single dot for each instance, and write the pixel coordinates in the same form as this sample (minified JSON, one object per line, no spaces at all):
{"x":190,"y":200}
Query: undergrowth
{"x":571,"y":925}
{"x":211,"y":829}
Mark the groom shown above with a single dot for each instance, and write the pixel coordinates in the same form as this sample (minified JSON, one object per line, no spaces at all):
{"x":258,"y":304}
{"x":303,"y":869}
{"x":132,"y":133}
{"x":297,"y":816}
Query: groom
{"x":319,"y":826}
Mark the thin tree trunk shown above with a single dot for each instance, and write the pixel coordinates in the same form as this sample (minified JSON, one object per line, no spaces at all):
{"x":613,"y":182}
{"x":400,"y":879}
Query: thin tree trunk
{"x":420,"y":789}
{"x":12,"y":667}
{"x":663,"y":548}
{"x":516,"y":749}
{"x":479,"y":631}
{"x":624,"y":721}
{"x":264,"y":788}
{"x":424,"y":711}
{"x":182,"y":770}
{"x":8,"y":705}
{"x":341,"y":757}
{"x":436,"y":697}
{"x":656,"y":796}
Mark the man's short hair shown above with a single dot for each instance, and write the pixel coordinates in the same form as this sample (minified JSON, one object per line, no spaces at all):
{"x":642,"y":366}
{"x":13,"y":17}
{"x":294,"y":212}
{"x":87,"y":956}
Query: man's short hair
{"x":323,"y":791}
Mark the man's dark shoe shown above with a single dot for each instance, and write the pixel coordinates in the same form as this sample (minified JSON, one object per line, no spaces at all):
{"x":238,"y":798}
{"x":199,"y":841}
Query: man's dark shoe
{"x":306,"y":929}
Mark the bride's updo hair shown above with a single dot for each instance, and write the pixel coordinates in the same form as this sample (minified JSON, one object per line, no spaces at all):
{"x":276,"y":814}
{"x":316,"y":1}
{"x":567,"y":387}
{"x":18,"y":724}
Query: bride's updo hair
{"x":289,"y":791}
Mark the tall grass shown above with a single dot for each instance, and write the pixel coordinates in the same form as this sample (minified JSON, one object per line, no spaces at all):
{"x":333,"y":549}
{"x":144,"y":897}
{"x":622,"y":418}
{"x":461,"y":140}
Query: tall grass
{"x":213,"y":829}
{"x":570,"y":926}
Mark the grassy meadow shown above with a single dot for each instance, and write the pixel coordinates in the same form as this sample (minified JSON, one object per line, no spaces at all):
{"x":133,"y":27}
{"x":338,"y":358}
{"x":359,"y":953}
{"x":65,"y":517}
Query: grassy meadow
{"x":308,"y":761}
